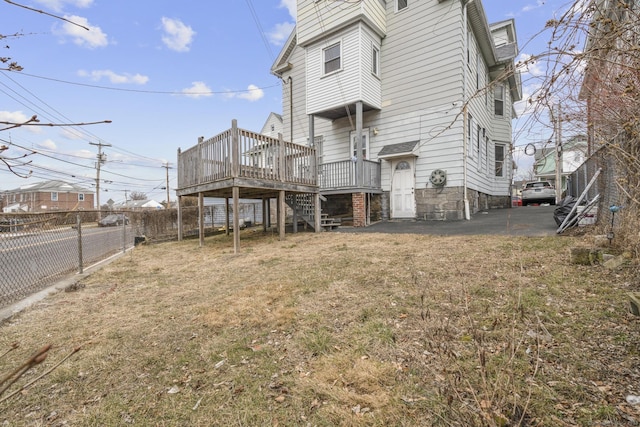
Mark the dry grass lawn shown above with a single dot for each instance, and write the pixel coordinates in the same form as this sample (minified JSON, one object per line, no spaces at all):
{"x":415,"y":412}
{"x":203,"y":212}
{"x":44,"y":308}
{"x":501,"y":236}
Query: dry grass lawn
{"x":334,"y":329}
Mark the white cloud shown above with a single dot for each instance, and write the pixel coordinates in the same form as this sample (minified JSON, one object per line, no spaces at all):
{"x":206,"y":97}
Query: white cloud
{"x":48,"y":144}
{"x":177,"y":36}
{"x":70,"y":133}
{"x":528,"y":64}
{"x":280,"y":33}
{"x":58,"y":5}
{"x":253,"y":93}
{"x":291,"y":6}
{"x":530,"y":7}
{"x":97,"y":75}
{"x":197,"y":90}
{"x":84,"y":154}
{"x":17,"y":117}
{"x":91,"y":39}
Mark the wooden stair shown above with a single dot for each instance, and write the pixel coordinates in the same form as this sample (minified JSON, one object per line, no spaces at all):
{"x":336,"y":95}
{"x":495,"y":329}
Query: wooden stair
{"x":328,"y":224}
{"x":304,"y":208}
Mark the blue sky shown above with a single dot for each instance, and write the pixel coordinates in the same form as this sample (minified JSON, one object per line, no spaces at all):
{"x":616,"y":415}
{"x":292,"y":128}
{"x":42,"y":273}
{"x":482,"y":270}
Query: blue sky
{"x":164,"y":72}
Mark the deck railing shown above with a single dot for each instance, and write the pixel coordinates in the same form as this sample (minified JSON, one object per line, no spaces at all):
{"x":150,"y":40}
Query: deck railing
{"x":239,"y":153}
{"x":342,"y":175}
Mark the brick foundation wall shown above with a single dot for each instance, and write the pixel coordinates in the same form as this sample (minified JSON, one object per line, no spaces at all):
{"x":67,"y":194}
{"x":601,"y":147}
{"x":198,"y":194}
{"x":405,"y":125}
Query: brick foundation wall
{"x":359,"y":210}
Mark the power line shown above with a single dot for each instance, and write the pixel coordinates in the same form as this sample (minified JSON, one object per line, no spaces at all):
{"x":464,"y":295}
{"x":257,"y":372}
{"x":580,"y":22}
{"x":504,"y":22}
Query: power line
{"x":157,"y":92}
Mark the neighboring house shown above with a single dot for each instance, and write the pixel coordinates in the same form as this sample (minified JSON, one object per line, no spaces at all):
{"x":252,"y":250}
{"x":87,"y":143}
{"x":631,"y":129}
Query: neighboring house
{"x":408,"y":104}
{"x":574,"y":153}
{"x":136,"y":205}
{"x":273,"y":126}
{"x":48,"y":196}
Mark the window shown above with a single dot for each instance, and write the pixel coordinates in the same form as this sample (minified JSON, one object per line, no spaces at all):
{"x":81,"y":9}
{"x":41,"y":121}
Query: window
{"x":54,"y":196}
{"x":469,"y":39}
{"x":332,"y":58}
{"x":375,"y":61}
{"x":319,"y":143}
{"x":477,"y":139}
{"x":80,"y":197}
{"x":498,"y":100}
{"x":365,"y":144}
{"x":273,"y":128}
{"x":403,"y":165}
{"x":499,"y":159}
{"x":478,"y":68}
{"x":401,"y":5}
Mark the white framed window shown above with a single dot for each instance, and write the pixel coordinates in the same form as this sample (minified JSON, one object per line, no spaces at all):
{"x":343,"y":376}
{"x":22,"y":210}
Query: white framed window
{"x":81,"y":197}
{"x":498,"y":100}
{"x":479,"y":68}
{"x":401,"y":5}
{"x":477,"y":138}
{"x":54,"y":196}
{"x":499,"y":157}
{"x":332,"y":58}
{"x":365,"y":144}
{"x":375,"y":61}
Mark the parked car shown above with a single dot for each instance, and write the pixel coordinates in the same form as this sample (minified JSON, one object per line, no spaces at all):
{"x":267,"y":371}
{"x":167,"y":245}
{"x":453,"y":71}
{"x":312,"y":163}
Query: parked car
{"x":538,"y":192}
{"x":516,"y":201}
{"x":113,"y":220}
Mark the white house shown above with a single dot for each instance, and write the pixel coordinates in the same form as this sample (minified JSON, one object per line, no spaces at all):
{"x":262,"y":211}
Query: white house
{"x":273,"y":125}
{"x":408,"y":103}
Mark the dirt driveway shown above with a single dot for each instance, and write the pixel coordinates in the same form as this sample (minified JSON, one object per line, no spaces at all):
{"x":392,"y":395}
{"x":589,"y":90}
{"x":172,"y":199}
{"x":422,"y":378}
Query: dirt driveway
{"x":519,"y":221}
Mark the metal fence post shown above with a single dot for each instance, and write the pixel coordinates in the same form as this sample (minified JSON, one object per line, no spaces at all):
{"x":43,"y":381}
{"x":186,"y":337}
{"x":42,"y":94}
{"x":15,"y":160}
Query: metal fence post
{"x":79,"y":225}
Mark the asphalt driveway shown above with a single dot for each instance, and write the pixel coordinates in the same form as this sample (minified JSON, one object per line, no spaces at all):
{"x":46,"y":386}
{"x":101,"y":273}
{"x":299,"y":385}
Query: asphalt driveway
{"x":517,"y":221}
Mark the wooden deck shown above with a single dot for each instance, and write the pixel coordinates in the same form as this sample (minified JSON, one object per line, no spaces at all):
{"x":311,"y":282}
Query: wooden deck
{"x":242,"y":164}
{"x":258,"y":165}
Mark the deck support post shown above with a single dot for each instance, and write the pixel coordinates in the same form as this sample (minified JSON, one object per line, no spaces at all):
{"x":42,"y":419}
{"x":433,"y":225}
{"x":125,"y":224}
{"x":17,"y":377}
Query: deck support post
{"x":318,"y":212}
{"x":359,"y":147}
{"x":265,"y":215}
{"x":201,"y":218}
{"x":236,"y":220}
{"x":180,"y":226}
{"x":226,"y":217}
{"x":295,"y":213}
{"x":281,"y":214}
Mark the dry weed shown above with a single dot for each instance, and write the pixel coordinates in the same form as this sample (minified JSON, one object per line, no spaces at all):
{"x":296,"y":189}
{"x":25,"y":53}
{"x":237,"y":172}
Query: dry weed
{"x":335,"y":329}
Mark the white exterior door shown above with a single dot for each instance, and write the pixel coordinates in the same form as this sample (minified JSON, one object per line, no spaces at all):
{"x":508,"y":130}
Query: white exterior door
{"x":403,"y":203}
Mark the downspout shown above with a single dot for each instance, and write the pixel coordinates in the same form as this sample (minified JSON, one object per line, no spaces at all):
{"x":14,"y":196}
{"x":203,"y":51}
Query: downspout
{"x":291,"y":109}
{"x":465,"y":112}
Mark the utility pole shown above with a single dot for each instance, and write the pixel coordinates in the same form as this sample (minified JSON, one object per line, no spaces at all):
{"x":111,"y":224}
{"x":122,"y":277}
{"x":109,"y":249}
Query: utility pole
{"x":166,"y":166}
{"x":101,"y":159}
{"x":558,"y":124}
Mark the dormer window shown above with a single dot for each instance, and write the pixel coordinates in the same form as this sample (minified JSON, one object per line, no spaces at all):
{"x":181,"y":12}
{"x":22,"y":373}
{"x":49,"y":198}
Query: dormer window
{"x":332,"y":58}
{"x":401,"y":5}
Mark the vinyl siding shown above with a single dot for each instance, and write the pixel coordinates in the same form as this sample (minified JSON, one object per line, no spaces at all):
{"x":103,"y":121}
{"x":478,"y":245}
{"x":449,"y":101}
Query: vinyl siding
{"x":300,"y":121}
{"x":317,"y":18}
{"x":422,"y":67}
{"x":353,"y":82}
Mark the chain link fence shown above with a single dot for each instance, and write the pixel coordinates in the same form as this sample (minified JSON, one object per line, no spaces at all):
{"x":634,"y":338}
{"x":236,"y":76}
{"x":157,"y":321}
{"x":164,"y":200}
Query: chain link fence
{"x":609,"y":187}
{"x":41,"y":248}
